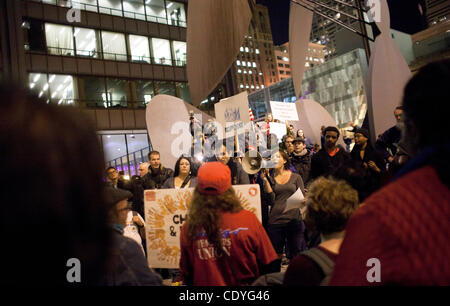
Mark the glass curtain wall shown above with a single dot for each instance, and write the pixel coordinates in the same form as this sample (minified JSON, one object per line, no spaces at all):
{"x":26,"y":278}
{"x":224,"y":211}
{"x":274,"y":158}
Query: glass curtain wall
{"x":55,"y":88}
{"x":59,"y":39}
{"x":125,"y":151}
{"x":93,"y":91}
{"x":134,"y":9}
{"x":156,"y":11}
{"x":144,"y":92}
{"x":117,"y":92}
{"x":179,"y":50}
{"x":161,"y":51}
{"x":87,"y":42}
{"x":114,"y":46}
{"x":139,"y":48}
{"x":110,"y":7}
{"x":160,"y":11}
{"x":183,"y":92}
{"x":176,"y":13}
{"x":165,"y":88}
{"x":38,"y":84}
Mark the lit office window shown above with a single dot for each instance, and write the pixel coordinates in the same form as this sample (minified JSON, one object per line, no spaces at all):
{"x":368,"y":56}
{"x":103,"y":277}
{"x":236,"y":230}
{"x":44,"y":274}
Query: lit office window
{"x":239,"y":71}
{"x":114,"y":47}
{"x":59,"y":39}
{"x":245,"y":71}
{"x":257,"y":51}
{"x":183,"y":91}
{"x":134,"y":9}
{"x":88,"y":5}
{"x":139,"y":48}
{"x":246,"y":86}
{"x":156,"y":11}
{"x":38,"y":84}
{"x":179,"y":49}
{"x":241,"y":86}
{"x":87,"y":42}
{"x":61,"y":88}
{"x":246,"y":49}
{"x":238,"y":62}
{"x":176,"y":13}
{"x":110,"y":7}
{"x":250,"y":72}
{"x":249,"y":64}
{"x":254,"y":65}
{"x":252,"y":87}
{"x":114,"y":147}
{"x":117,"y":92}
{"x":144,"y":92}
{"x":92,"y":91}
{"x":161,"y":51}
{"x":165,"y":88}
{"x":241,"y":49}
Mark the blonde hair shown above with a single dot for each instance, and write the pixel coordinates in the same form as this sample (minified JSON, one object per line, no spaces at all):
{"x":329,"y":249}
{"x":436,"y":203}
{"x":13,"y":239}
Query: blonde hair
{"x":330,"y":203}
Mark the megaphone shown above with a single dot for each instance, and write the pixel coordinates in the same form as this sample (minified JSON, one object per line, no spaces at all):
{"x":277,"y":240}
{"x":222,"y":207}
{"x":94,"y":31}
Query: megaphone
{"x":252,"y":165}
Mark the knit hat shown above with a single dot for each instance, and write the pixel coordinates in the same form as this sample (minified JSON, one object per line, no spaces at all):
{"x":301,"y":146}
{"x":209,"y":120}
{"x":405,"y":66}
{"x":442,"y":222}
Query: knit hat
{"x":363,"y":131}
{"x":213,"y":178}
{"x":115,"y":195}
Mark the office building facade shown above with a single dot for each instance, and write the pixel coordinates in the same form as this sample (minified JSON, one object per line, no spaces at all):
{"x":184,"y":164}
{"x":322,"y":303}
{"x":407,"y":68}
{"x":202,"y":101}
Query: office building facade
{"x":107,"y":58}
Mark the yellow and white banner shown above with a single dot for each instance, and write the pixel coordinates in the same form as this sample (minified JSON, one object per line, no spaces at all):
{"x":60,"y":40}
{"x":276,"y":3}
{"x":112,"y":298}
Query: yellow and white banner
{"x":165,"y":213}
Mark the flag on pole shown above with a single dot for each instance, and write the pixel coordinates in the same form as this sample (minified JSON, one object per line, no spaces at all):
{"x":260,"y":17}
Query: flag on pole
{"x":250,"y":113}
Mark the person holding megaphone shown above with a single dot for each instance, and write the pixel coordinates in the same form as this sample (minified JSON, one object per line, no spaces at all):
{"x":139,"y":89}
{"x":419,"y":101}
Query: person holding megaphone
{"x":285,"y":226}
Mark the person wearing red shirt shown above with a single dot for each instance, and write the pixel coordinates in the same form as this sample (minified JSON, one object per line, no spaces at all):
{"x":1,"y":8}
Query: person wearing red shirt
{"x":400,"y":235}
{"x":221,"y":243}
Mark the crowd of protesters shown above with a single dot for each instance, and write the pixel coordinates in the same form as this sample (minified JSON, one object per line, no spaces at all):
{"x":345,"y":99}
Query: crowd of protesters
{"x":388,"y":201}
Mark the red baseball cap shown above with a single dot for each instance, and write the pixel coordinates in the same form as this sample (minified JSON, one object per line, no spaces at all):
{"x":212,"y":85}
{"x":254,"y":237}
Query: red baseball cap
{"x":213,"y":178}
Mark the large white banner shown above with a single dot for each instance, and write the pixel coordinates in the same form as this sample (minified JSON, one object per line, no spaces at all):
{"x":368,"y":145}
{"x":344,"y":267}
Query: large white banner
{"x":284,"y":111}
{"x":165,"y":213}
{"x":232,"y":110}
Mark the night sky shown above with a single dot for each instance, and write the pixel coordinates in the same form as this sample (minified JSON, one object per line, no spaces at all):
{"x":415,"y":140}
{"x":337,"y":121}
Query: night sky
{"x":405,"y":17}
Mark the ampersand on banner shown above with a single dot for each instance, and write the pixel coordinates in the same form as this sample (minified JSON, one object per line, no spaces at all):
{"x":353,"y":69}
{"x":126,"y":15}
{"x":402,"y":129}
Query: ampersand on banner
{"x":172,"y":231}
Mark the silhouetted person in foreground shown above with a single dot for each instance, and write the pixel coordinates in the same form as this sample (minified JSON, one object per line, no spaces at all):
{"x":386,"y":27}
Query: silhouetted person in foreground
{"x":405,"y":225}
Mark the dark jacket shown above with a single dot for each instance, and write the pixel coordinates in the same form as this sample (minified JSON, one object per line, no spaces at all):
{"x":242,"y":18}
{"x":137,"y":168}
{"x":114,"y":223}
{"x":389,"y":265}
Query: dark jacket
{"x":322,"y":164}
{"x":127,"y":265}
{"x":170,"y":183}
{"x":387,"y":140}
{"x":238,"y":175}
{"x":155,"y":179}
{"x":137,"y":189}
{"x":372,"y":178}
{"x":302,"y":164}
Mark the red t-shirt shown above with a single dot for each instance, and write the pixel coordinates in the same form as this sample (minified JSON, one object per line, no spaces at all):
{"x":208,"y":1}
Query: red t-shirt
{"x":246,"y":244}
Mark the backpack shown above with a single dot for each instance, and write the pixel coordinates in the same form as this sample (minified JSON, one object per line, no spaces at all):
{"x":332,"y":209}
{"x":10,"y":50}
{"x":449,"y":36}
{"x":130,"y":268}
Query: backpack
{"x":323,"y":261}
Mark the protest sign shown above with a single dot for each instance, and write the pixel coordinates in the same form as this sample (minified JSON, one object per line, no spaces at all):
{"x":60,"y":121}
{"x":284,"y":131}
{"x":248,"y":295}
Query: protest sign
{"x":165,"y":213}
{"x":284,"y":111}
{"x":234,"y":111}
